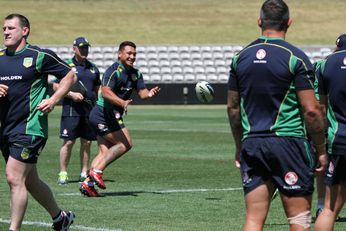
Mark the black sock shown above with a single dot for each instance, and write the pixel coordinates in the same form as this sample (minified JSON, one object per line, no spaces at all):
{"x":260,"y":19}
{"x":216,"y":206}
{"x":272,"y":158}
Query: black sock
{"x":57,"y":216}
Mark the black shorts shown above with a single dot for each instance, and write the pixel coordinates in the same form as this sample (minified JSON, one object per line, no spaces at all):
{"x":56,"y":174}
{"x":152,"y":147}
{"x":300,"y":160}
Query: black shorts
{"x":336,"y":173}
{"x":72,"y":127}
{"x":24,"y":148}
{"x":289,"y":162}
{"x":105,"y":120}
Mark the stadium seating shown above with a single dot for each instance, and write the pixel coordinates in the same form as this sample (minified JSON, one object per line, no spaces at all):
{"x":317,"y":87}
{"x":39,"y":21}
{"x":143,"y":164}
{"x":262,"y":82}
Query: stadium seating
{"x":180,"y":63}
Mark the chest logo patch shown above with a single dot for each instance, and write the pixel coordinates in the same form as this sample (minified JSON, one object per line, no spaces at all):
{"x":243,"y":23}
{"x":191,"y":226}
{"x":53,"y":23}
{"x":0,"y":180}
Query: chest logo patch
{"x":344,"y":61}
{"x":92,"y":70}
{"x":27,"y":62}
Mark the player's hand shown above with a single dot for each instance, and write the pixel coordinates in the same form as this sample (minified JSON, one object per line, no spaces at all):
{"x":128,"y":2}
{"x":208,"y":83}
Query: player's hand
{"x":46,"y":106}
{"x":322,"y":162}
{"x":154,"y":91}
{"x":3,"y":90}
{"x":76,"y":96}
{"x":126,"y":104}
{"x":237,"y":159}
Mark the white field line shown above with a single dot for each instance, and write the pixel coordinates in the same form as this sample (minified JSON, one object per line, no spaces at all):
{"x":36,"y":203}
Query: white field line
{"x":73,"y":227}
{"x":85,"y":228}
{"x":170,"y":191}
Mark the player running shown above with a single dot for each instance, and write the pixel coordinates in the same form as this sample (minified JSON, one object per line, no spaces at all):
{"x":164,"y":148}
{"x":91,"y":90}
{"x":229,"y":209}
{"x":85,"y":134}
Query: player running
{"x":24,"y":105}
{"x":114,"y":140}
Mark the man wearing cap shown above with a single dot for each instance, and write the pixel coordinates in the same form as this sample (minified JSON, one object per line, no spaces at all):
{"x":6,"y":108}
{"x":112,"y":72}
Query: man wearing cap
{"x":331,"y":74}
{"x":76,"y":108}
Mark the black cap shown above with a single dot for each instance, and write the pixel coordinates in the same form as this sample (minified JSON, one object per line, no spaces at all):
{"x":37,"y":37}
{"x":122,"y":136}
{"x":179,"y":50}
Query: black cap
{"x":341,"y":41}
{"x":80,"y":42}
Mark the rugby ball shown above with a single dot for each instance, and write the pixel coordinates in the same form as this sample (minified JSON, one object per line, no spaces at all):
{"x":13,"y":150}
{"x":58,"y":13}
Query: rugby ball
{"x":204,"y":92}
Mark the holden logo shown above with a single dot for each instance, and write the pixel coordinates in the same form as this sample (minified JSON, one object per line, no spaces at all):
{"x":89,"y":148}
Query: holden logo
{"x":261,"y":54}
{"x":291,"y":178}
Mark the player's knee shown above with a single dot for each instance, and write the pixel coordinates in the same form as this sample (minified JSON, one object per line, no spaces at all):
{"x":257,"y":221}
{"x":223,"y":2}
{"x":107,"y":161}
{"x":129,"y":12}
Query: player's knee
{"x":13,"y":180}
{"x":69,"y":143}
{"x":303,"y":219}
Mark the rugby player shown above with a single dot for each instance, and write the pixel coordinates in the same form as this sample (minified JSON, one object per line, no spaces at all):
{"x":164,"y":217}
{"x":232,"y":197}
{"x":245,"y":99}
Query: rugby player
{"x":331,"y":74}
{"x":114,"y":140}
{"x":271,"y":99}
{"x":24,"y":106}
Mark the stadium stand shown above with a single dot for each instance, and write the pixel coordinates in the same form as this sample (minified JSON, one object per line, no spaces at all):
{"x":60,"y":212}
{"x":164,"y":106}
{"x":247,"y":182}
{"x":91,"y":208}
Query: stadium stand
{"x":175,"y":63}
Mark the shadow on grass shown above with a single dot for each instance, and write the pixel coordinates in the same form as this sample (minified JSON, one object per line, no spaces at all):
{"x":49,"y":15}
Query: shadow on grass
{"x":129,"y":193}
{"x":136,"y":193}
{"x":275,"y":225}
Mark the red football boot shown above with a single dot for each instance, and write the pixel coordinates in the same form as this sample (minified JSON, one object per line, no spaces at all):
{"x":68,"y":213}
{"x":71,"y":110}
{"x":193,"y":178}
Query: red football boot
{"x":88,"y":189}
{"x":97,"y":178}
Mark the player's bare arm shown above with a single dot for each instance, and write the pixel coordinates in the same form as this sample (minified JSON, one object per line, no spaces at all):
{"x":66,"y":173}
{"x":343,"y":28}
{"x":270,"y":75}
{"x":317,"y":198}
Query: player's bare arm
{"x":315,"y":124}
{"x":233,"y":111}
{"x":109,"y":95}
{"x":3,"y":90}
{"x":145,"y":93}
{"x":324,"y":106}
{"x":75,"y":96}
{"x":66,"y":83}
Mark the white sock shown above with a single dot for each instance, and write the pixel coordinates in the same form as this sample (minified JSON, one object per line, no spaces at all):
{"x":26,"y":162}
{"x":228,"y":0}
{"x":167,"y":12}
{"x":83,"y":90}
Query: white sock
{"x":97,"y":170}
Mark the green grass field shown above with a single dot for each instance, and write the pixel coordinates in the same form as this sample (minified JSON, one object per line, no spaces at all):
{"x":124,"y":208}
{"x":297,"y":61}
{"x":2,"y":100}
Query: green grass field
{"x":179,"y":176}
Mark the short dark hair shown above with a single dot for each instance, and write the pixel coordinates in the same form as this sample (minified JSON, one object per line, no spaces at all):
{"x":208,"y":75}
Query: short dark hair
{"x":274,"y":15}
{"x":126,"y":43}
{"x":24,"y":21}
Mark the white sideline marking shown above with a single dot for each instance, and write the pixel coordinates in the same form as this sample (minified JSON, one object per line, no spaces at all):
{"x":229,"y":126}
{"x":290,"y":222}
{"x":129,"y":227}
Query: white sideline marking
{"x":85,"y":228}
{"x":197,"y":190}
{"x":170,"y":191}
{"x":73,"y":227}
